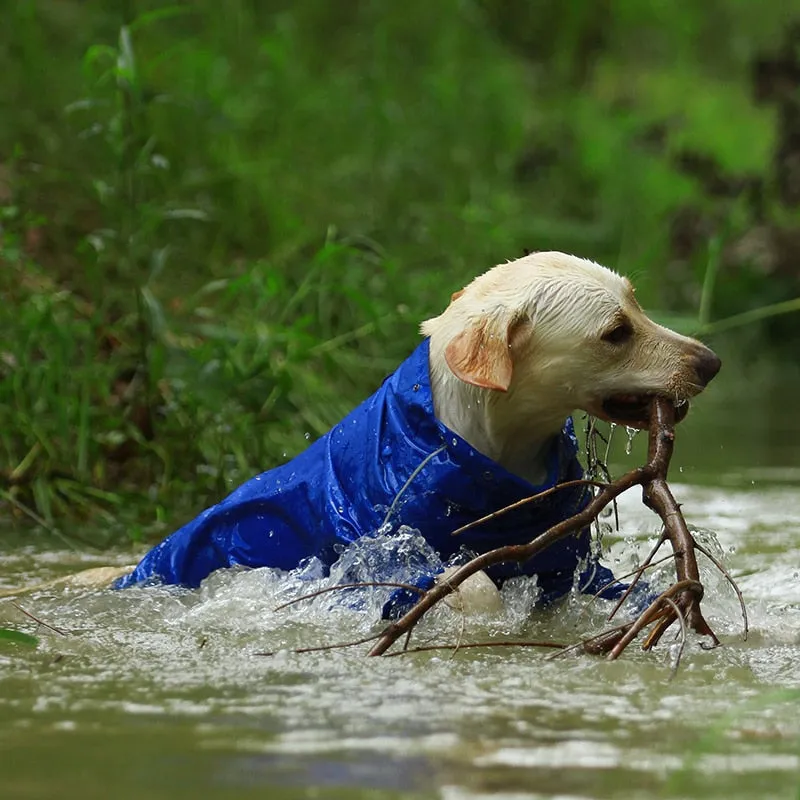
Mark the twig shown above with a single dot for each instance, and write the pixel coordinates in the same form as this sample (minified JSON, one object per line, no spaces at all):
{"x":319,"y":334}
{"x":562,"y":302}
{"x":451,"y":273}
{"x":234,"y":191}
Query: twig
{"x":322,"y":647}
{"x":465,"y":645}
{"x":728,"y":577}
{"x":656,"y":494}
{"x":410,"y":480}
{"x":366,"y":584}
{"x":37,"y":620}
{"x":587,"y":644}
{"x":639,"y":573}
{"x":652,"y":613}
{"x":636,"y":572}
{"x":677,"y":661}
{"x":461,"y":628}
{"x":595,"y":465}
{"x":525,"y":500}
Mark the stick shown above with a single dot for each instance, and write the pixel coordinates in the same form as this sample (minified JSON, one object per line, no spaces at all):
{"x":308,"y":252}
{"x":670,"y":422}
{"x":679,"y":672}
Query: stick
{"x":508,"y":553}
{"x":685,"y":595}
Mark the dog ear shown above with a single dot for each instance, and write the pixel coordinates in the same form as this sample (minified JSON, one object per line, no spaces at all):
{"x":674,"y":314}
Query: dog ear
{"x":480,"y":355}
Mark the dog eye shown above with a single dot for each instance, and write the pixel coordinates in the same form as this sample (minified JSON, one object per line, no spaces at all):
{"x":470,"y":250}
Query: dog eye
{"x":619,"y":334}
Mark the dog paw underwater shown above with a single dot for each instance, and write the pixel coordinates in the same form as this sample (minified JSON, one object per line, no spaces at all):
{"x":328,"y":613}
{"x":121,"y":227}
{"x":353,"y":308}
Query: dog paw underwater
{"x":476,"y":418}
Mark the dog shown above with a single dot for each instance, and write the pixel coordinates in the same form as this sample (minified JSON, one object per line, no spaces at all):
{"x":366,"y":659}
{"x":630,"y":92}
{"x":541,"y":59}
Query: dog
{"x":478,"y":417}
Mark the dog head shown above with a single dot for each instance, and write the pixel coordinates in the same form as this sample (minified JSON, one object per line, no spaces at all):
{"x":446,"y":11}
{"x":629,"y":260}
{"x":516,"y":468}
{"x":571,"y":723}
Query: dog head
{"x":554,"y":333}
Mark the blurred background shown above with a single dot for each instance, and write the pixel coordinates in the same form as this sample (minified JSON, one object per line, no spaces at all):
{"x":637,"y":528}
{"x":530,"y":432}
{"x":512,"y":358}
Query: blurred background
{"x":221,"y":222}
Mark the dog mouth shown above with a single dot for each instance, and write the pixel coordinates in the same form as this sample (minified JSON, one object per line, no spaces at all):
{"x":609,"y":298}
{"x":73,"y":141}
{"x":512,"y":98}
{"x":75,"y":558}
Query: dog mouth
{"x":633,"y":410}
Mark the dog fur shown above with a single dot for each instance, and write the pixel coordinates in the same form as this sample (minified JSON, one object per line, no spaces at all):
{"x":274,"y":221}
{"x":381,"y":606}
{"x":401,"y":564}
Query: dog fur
{"x":529,"y":342}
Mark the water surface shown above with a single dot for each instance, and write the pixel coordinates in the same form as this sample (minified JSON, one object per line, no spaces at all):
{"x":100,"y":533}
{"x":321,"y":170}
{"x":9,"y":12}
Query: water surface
{"x":161,"y":693}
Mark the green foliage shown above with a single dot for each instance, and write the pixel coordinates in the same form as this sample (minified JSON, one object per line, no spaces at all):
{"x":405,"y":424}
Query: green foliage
{"x":17,"y":637}
{"x":214,"y":218}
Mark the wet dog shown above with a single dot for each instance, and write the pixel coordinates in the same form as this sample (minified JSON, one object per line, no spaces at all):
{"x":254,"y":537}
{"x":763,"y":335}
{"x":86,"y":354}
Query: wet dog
{"x":531,"y":341}
{"x":475,"y":419}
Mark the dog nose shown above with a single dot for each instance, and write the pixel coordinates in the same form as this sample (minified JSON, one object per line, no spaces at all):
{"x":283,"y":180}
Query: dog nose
{"x":707,"y":365}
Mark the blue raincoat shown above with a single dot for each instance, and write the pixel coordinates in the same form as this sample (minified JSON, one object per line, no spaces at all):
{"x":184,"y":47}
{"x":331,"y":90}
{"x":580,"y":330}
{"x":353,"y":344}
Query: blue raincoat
{"x":389,"y":461}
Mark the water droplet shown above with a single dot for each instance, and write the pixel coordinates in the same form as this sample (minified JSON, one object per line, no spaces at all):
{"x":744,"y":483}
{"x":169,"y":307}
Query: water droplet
{"x":629,"y":444}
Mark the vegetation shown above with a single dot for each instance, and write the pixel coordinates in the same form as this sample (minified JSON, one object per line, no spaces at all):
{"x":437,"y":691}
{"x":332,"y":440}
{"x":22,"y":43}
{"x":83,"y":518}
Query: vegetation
{"x":17,"y":637}
{"x":220,"y":223}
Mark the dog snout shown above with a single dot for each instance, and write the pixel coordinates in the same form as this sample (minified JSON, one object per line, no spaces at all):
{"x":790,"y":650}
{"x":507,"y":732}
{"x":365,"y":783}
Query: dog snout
{"x":706,"y":364}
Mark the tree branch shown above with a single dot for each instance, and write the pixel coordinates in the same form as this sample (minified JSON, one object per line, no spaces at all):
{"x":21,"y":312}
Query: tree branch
{"x":680,"y":602}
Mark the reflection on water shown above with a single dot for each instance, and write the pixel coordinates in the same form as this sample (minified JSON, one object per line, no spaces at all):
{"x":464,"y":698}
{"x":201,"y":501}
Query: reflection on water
{"x":163,"y":688}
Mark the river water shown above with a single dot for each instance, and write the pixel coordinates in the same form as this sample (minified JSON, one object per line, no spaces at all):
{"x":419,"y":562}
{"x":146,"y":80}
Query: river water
{"x":162,"y":694}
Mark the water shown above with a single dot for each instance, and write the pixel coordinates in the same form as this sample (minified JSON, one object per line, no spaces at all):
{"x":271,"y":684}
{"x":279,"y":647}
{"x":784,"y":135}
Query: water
{"x":160,"y":693}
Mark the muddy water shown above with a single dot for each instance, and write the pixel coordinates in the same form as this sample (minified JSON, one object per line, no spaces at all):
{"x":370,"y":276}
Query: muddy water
{"x":161,"y":694}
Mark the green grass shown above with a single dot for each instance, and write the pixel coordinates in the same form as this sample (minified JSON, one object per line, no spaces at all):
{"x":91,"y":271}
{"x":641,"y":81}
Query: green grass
{"x":222,"y":223}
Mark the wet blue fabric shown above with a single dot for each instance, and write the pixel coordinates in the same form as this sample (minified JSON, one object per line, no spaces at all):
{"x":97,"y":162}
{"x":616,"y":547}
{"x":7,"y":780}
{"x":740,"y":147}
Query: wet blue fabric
{"x":389,"y":461}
